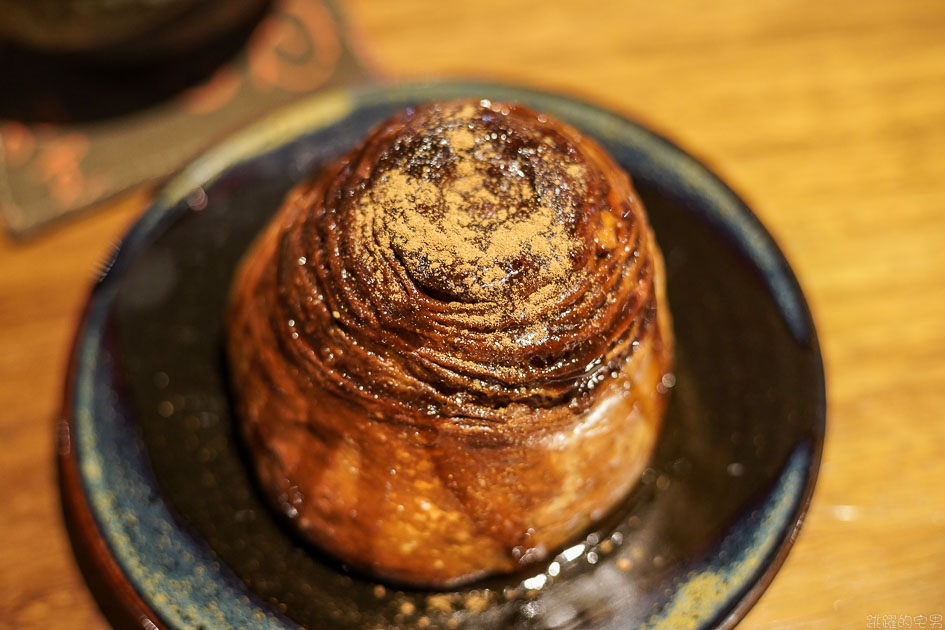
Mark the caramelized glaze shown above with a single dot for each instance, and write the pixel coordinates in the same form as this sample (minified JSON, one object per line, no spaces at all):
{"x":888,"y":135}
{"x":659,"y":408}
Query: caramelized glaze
{"x":447,"y":347}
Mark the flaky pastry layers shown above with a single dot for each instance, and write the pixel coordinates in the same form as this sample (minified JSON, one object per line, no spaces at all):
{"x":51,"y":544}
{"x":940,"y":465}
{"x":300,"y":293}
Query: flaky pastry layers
{"x":447,"y":348}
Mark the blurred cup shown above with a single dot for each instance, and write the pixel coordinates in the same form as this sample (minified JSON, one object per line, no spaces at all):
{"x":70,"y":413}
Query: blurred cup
{"x":123,"y":31}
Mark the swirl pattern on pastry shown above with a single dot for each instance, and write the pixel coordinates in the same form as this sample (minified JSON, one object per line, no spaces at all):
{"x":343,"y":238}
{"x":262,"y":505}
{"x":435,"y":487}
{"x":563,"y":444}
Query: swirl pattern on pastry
{"x":464,"y":314}
{"x":463,"y":259}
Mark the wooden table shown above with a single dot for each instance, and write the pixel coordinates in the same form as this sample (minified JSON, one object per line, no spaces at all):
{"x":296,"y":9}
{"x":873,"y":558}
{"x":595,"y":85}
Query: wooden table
{"x":829,"y":117}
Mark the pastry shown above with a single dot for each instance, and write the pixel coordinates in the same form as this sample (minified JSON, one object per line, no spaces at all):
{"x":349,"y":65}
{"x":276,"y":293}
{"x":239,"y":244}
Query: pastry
{"x":447,"y":347}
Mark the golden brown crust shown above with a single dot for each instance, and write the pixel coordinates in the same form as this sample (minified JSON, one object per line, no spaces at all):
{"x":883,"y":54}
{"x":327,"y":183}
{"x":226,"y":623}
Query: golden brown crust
{"x":447,"y":348}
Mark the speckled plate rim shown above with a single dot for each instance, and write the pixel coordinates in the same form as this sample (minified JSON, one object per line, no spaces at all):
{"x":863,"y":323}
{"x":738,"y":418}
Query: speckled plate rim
{"x":85,"y":502}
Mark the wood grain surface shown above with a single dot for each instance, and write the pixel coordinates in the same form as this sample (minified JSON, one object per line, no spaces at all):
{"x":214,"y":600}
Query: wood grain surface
{"x":828,"y":117}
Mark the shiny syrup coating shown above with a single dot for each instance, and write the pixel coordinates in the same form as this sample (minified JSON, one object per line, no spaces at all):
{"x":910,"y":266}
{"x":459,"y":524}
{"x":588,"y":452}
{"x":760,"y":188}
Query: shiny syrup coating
{"x":380,"y":316}
{"x":447,"y":347}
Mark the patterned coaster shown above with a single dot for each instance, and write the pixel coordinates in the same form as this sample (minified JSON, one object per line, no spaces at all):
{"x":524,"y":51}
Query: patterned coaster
{"x":75,"y":134}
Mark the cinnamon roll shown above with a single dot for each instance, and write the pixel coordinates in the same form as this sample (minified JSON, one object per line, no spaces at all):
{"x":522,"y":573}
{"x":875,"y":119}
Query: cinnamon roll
{"x":447,"y":347}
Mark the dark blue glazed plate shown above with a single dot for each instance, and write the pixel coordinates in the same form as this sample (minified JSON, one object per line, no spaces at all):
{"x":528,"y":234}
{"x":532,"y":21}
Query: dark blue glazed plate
{"x":172,"y":533}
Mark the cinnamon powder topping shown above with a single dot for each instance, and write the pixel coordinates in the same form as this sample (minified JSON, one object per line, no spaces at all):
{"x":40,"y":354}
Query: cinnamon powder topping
{"x":466,"y":257}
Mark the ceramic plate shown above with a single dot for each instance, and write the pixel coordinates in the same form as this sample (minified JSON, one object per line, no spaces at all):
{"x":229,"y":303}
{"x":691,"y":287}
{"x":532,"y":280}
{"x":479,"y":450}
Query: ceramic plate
{"x":172,"y":533}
